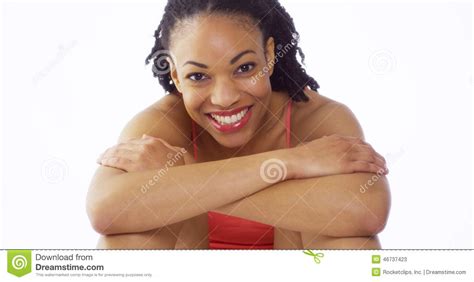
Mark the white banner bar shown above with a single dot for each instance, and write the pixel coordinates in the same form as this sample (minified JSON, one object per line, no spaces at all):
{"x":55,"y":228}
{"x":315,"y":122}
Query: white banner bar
{"x":238,"y":265}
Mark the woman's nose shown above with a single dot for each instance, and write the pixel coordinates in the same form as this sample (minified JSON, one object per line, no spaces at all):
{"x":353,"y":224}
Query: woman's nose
{"x":224,"y":95}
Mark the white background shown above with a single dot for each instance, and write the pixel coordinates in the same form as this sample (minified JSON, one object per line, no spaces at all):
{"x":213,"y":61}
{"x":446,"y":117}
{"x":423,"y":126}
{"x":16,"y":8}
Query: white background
{"x":74,"y":74}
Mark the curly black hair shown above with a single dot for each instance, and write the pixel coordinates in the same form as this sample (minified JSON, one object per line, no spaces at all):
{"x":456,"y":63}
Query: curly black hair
{"x":273,"y":21}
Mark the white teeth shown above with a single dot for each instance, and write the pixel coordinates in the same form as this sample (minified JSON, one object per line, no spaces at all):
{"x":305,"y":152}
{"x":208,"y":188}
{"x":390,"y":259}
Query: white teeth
{"x":230,"y":119}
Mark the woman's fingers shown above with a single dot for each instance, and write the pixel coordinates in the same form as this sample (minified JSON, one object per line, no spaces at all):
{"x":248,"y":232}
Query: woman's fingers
{"x":369,"y":148}
{"x":365,"y":158}
{"x":117,"y":162}
{"x":362,"y":145}
{"x":370,"y":158}
{"x":362,"y":166}
{"x":354,"y":139}
{"x":119,"y":152}
{"x":135,"y":154}
{"x":147,"y":138}
{"x":131,"y":146}
{"x":153,"y":141}
{"x":335,"y":154}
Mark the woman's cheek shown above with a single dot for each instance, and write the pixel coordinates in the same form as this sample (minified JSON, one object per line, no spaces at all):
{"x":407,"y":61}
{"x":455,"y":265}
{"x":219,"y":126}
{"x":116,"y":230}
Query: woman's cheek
{"x":258,"y":86}
{"x":193,"y":101}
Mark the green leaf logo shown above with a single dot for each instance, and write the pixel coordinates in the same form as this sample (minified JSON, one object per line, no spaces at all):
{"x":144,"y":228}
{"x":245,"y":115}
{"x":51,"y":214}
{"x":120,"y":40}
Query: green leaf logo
{"x":19,"y":262}
{"x":315,"y":256}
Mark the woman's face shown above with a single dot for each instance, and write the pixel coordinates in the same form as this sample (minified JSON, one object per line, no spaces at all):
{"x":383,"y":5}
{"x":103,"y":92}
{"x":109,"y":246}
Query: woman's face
{"x":222,"y":70}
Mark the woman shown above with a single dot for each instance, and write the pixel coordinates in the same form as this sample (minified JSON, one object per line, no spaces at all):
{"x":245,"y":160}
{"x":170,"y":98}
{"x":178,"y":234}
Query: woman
{"x":197,"y":168}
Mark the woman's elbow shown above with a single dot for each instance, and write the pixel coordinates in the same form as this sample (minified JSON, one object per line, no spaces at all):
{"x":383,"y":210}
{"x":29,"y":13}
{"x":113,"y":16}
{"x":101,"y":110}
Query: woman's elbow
{"x":100,"y":215}
{"x":374,"y":224}
{"x":97,"y":219}
{"x":376,"y":207}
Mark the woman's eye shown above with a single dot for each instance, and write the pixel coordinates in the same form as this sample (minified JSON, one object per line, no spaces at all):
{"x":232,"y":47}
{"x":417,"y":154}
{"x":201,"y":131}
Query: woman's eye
{"x":196,"y":76}
{"x":246,"y":68}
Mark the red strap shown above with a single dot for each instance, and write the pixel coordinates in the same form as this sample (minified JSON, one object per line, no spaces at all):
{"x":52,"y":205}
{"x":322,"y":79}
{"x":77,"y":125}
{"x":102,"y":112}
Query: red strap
{"x":194,"y":139}
{"x":288,"y":124}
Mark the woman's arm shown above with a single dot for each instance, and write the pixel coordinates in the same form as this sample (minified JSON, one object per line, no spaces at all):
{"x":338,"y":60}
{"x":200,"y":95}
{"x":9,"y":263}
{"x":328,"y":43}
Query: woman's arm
{"x":337,"y":205}
{"x":144,"y":200}
{"x":331,"y":205}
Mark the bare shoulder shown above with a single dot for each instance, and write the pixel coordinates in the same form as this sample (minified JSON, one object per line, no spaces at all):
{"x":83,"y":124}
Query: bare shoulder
{"x":166,"y":118}
{"x":322,"y":116}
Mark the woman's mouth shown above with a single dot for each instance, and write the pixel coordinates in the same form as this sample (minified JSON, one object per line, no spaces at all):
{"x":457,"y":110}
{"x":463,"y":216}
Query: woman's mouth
{"x":230,"y":122}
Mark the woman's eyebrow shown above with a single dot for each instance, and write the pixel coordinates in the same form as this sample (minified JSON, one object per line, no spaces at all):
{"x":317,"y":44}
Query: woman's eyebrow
{"x":232,"y":61}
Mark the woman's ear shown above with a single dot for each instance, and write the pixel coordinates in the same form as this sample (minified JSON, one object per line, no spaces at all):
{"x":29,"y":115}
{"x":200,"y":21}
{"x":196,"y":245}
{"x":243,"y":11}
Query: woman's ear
{"x":174,"y":76}
{"x":270,"y":54}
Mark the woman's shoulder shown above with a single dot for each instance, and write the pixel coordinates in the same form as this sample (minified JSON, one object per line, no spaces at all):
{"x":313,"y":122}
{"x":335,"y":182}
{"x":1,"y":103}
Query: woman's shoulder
{"x":166,"y":118}
{"x":322,"y":116}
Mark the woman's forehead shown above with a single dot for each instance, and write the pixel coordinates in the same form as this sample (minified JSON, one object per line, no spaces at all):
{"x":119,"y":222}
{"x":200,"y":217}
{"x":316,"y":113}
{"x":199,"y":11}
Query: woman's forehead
{"x":214,"y":36}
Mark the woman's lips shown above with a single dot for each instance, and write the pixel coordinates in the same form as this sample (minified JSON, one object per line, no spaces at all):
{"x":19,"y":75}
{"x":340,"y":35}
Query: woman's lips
{"x":231,"y":112}
{"x":231,"y":127}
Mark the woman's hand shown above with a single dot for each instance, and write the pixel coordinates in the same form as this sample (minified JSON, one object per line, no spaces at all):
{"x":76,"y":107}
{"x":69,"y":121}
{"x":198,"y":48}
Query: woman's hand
{"x":335,"y":154}
{"x":145,"y":153}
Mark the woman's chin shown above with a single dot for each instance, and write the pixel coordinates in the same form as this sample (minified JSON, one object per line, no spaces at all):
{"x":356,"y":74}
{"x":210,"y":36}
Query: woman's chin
{"x":232,"y":142}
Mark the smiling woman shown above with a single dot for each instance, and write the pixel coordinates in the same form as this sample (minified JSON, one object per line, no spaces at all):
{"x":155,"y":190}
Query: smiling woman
{"x":239,"y":99}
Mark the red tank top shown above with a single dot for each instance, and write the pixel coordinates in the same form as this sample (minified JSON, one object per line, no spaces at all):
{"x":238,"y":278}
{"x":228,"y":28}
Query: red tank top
{"x":231,"y":232}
